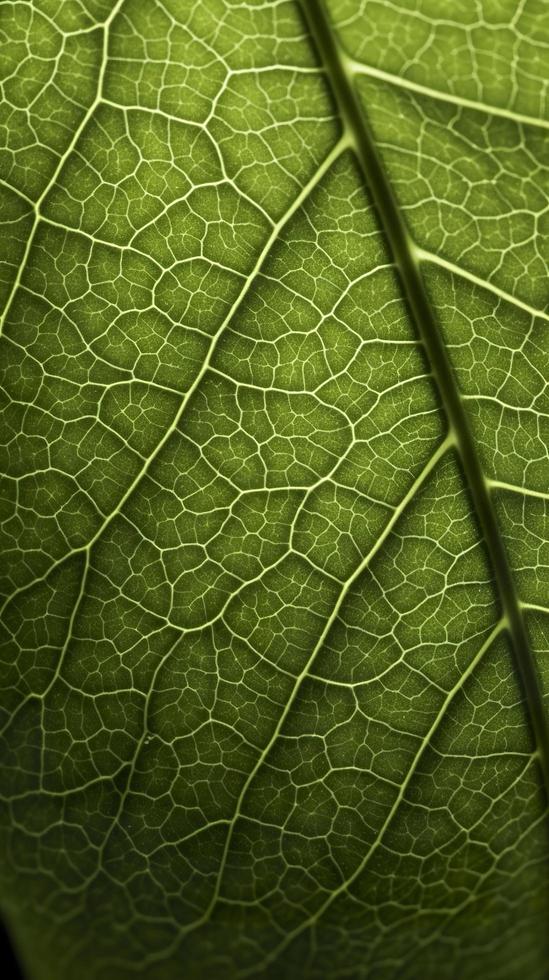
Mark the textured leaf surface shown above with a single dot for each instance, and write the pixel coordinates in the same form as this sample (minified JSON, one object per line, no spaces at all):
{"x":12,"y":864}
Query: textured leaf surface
{"x":275,"y":539}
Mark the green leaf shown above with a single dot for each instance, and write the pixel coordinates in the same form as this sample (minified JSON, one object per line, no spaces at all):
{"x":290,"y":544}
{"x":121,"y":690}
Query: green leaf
{"x":275,"y":537}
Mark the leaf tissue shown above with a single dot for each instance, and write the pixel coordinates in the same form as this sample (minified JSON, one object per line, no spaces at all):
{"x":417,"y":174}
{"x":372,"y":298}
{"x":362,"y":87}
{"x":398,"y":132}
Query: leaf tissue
{"x":274,"y":489}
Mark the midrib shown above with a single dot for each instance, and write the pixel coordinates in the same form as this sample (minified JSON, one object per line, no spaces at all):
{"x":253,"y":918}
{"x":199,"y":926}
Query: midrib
{"x":408,"y":263}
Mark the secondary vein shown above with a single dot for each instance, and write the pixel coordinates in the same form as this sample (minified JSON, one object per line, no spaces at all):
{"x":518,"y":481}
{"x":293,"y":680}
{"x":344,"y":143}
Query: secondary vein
{"x":400,"y":81}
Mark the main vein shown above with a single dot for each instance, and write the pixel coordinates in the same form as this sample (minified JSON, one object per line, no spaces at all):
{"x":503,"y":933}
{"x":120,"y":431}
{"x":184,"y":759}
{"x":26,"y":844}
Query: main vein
{"x":405,"y":256}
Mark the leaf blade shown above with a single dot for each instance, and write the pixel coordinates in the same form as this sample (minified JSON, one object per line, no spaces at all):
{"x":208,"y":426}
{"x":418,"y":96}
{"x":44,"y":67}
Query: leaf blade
{"x":258,"y":724}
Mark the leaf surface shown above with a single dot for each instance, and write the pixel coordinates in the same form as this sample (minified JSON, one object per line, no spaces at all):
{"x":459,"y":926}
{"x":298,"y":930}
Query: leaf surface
{"x":275,"y":537}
